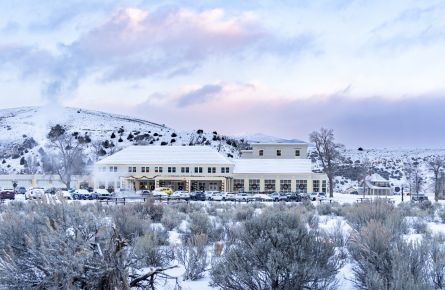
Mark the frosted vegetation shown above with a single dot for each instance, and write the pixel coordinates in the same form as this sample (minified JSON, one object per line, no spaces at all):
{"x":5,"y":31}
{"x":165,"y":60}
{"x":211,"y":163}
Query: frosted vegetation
{"x":71,"y":245}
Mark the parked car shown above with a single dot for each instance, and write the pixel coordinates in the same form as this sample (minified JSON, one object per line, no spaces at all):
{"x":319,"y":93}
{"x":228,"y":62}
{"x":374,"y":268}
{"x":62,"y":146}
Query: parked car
{"x":294,"y":196}
{"x":180,"y":195}
{"x":242,"y":196}
{"x":419,"y":198}
{"x":263,"y":197}
{"x":21,"y":190}
{"x":209,"y":194}
{"x":84,"y":194}
{"x":144,"y":193}
{"x":225,"y":196}
{"x":159,"y":194}
{"x":279,"y":196}
{"x":34,"y":193}
{"x":51,"y":190}
{"x":197,"y":195}
{"x":318,"y":196}
{"x":166,"y":190}
{"x":64,"y":193}
{"x":7,"y":194}
{"x":102,"y":193}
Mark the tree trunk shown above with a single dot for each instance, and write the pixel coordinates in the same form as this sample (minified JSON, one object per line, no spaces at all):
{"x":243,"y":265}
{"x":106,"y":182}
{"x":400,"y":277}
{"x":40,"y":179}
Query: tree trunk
{"x":331,"y":186}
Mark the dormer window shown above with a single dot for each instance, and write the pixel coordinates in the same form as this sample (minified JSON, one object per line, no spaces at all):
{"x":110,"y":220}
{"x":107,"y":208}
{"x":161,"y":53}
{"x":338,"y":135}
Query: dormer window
{"x":261,"y":152}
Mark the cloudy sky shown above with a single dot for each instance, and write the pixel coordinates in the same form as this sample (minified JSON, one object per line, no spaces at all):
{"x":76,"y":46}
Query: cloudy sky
{"x":374,"y":71}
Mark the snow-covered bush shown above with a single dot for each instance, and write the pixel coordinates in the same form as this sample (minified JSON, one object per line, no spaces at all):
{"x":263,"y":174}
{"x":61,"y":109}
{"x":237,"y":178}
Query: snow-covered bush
{"x":130,"y":223}
{"x":73,"y":246}
{"x":151,"y":249}
{"x":275,"y":250}
{"x":192,"y":254}
{"x":243,"y":212}
{"x":172,"y":218}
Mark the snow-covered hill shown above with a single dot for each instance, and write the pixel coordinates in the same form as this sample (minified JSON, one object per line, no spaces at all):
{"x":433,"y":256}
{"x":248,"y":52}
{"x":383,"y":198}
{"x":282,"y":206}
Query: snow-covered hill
{"x":23,"y":134}
{"x":390,"y":163}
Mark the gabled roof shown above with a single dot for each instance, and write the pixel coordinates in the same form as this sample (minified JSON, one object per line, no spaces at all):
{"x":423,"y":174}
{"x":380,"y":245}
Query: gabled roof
{"x":140,"y":155}
{"x":375,"y":177}
{"x":286,"y":166}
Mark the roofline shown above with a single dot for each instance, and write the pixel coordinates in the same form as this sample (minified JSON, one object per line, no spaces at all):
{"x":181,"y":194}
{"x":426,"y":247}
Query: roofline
{"x":278,"y":143}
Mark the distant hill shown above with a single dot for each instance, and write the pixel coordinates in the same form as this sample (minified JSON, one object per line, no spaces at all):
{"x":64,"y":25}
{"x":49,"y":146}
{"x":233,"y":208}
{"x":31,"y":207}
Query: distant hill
{"x":23,"y":134}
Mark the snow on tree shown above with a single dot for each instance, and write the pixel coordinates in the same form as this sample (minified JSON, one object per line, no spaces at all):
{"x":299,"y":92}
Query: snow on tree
{"x":68,"y":153}
{"x":327,"y":153}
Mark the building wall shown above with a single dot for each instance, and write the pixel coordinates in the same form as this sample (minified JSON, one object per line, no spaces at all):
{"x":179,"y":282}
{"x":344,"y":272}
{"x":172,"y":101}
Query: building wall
{"x":303,"y":178}
{"x":105,"y":175}
{"x":270,"y":151}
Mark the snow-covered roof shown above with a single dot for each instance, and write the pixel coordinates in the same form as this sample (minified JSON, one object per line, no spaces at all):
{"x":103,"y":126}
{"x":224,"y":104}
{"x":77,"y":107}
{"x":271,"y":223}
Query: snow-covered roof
{"x":286,"y":166}
{"x":375,"y":177}
{"x":140,"y":155}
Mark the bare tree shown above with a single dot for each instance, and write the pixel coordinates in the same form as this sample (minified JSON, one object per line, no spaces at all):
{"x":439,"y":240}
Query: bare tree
{"x":435,"y":166}
{"x":413,"y":176}
{"x":68,"y":149}
{"x":327,"y":153}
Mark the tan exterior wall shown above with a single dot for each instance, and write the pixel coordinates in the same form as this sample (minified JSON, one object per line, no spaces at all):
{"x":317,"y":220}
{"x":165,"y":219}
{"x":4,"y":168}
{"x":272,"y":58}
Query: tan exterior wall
{"x":309,"y":177}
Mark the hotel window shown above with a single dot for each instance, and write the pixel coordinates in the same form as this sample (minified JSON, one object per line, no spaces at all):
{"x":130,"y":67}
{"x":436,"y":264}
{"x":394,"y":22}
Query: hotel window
{"x":302,"y":186}
{"x":158,"y":169}
{"x":261,"y":152}
{"x":278,"y":152}
{"x":254,"y":185}
{"x":225,"y":170}
{"x":131,"y":169}
{"x":198,"y":169}
{"x":297,"y":153}
{"x":269,"y":185}
{"x":238,"y":185}
{"x":285,"y":185}
{"x":145,"y":169}
{"x":211,"y":170}
{"x":324,"y":186}
{"x":171,"y":169}
{"x":185,"y":170}
{"x":316,"y":185}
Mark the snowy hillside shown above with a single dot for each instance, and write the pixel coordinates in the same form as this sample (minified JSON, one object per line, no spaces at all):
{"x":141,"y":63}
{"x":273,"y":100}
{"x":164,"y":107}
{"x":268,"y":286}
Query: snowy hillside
{"x":389,"y":163}
{"x":23,"y":134}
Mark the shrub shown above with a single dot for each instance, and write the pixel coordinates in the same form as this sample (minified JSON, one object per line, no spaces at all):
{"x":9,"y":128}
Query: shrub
{"x":329,"y":209}
{"x":359,"y":215}
{"x":149,"y":209}
{"x":150,"y":249}
{"x":199,"y":224}
{"x":192,"y":254}
{"x":420,"y":226}
{"x":172,"y":218}
{"x":275,"y":250}
{"x":129,"y":222}
{"x":243,"y":212}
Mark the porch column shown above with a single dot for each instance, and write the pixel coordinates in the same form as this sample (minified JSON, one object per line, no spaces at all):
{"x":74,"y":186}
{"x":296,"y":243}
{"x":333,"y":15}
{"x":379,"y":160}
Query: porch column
{"x":293,"y":184}
{"x":310,"y":185}
{"x":277,"y":185}
{"x":246,"y":185}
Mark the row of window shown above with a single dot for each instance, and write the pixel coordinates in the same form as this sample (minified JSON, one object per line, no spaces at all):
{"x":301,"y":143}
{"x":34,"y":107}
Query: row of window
{"x":159,"y":169}
{"x":284,"y":186}
{"x":109,"y":169}
{"x":261,"y":152}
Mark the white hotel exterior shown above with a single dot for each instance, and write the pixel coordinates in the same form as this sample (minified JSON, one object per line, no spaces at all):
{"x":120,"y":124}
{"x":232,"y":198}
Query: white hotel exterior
{"x":265,"y":167}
